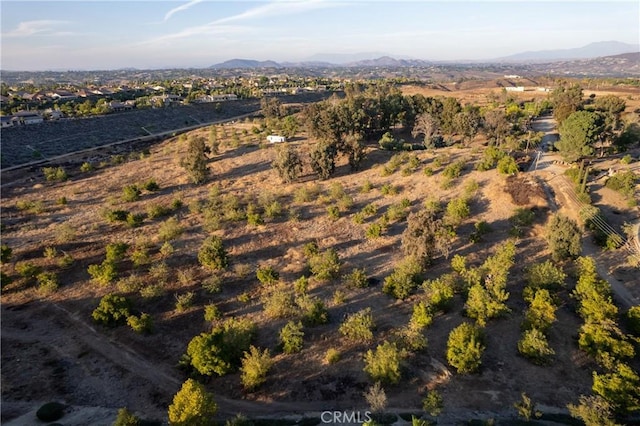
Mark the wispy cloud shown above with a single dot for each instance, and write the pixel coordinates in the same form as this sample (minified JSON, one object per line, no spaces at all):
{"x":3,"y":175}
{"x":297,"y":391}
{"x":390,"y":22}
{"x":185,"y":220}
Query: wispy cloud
{"x":39,"y":27}
{"x":221,"y":25}
{"x":278,"y":8}
{"x":180,"y":9}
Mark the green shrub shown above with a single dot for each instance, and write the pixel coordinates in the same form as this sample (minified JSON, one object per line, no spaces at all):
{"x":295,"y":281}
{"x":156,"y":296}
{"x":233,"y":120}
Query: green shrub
{"x":255,"y":366}
{"x":310,"y":249}
{"x":333,"y":212}
{"x":507,"y":165}
{"x":86,"y":167}
{"x":126,"y":418}
{"x":563,"y":237}
{"x":357,"y":278}
{"x":212,"y":313}
{"x":134,"y":220}
{"x":633,"y":319}
{"x":140,"y":256}
{"x":432,"y":403}
{"x":545,"y":275}
{"x":454,"y":170}
{"x":422,"y":316}
{"x":273,"y":210}
{"x":103,"y":273}
{"x":151,"y":185}
{"x":465,"y":348}
{"x":410,"y":339}
{"x":27,"y":269}
{"x":623,"y":182}
{"x":440,"y":291}
{"x":112,"y":310}
{"x":383,"y":364}
{"x":220,"y":351}
{"x":301,"y":285}
{"x":115,"y":215}
{"x":52,"y":174}
{"x":184,"y":301}
{"x":522,"y":217}
{"x":255,"y":219}
{"x":267,"y":275}
{"x":166,"y":249}
{"x":331,"y":356}
{"x":291,"y":337}
{"x":338,"y":297}
{"x":159,"y":272}
{"x":50,"y":412}
{"x":541,"y":312}
{"x":170,"y":229}
{"x":535,"y":347}
{"x":375,"y":230}
{"x":388,"y":189}
{"x":157,"y":210}
{"x":5,"y":253}
{"x":192,"y":405}
{"x":366,"y":187}
{"x":314,"y":311}
{"x":115,"y":251}
{"x":404,"y":279}
{"x":358,"y":327}
{"x":279,"y":303}
{"x":47,"y":282}
{"x":457,"y":210}
{"x":325,"y":265}
{"x":65,"y":261}
{"x":620,"y":386}
{"x":212,"y":254}
{"x":62,"y":201}
{"x":141,"y":324}
{"x":130,"y":193}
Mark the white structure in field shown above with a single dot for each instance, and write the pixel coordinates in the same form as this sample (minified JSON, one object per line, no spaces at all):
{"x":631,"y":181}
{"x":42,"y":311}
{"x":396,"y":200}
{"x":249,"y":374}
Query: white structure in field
{"x":276,"y":139}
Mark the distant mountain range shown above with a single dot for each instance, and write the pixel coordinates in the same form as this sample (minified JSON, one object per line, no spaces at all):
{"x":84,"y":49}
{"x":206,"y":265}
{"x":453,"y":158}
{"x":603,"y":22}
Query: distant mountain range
{"x":593,"y":50}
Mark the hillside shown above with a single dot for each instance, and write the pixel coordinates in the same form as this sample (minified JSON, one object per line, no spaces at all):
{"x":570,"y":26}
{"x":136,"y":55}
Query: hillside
{"x":64,"y":227}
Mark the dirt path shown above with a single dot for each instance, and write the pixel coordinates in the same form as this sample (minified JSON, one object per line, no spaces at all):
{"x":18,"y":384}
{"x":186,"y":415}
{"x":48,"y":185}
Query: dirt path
{"x":551,"y":176}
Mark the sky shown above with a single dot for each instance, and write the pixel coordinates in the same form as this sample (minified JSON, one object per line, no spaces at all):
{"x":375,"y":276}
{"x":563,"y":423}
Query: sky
{"x":149,"y":34}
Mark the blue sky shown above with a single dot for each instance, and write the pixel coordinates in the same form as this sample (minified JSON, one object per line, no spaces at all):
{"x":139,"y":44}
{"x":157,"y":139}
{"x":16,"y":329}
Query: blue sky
{"x":42,"y":35}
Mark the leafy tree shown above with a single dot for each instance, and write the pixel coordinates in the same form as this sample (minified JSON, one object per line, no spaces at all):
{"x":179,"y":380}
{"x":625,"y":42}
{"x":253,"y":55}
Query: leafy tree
{"x":496,"y":125}
{"x":219,"y":352}
{"x":192,"y":406}
{"x":545,"y":275}
{"x":507,"y":165}
{"x":566,"y":101}
{"x":112,"y":310}
{"x":383,"y":364}
{"x":468,"y":122}
{"x":465,"y":347}
{"x":354,"y":147}
{"x":271,"y":107}
{"x":482,"y":306}
{"x":195,"y":160}
{"x":291,"y":337}
{"x":323,"y":159}
{"x":428,"y":125}
{"x":212,"y":254}
{"x":287,"y":163}
{"x":578,"y":133}
{"x":563,"y":236}
{"x":255,"y":366}
{"x":450,"y":110}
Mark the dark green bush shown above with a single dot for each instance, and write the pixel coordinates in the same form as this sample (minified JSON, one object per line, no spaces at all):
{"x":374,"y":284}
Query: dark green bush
{"x":267,"y":275}
{"x":112,"y":310}
{"x":50,"y":412}
{"x":358,"y":327}
{"x":212,"y":254}
{"x":291,"y":337}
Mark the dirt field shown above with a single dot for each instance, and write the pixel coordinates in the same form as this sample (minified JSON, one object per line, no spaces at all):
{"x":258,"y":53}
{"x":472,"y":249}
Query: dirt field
{"x":51,"y":350}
